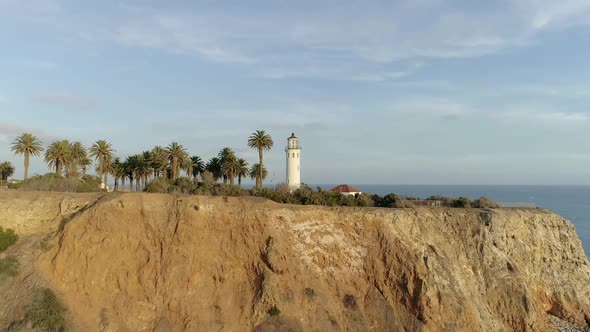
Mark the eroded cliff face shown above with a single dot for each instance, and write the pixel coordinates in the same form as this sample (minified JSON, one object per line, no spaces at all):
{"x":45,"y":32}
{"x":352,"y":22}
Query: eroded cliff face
{"x":147,"y":262}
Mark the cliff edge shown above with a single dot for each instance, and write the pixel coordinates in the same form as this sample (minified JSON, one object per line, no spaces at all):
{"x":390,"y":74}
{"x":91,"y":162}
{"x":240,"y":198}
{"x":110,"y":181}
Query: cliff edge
{"x":149,"y":262}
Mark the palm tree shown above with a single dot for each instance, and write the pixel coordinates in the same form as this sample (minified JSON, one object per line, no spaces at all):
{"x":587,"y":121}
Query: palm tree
{"x":224,"y":156}
{"x":197,"y":166}
{"x":261,"y":141}
{"x":177,"y":156}
{"x":84,"y":163}
{"x":118,"y":172}
{"x":214,"y":166}
{"x":243,"y":171}
{"x":57,"y":155}
{"x":158,"y":160}
{"x":231,"y":168}
{"x":26,"y":145}
{"x":142,"y":171}
{"x":77,"y":157}
{"x":102,"y":151}
{"x":258,"y":172}
{"x":6,"y":170}
{"x":130,"y":164}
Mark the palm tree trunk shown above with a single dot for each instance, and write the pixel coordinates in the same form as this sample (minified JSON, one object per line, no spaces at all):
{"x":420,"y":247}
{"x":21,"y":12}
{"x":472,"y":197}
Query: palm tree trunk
{"x":239,"y":181}
{"x":261,"y":168}
{"x":58,"y":168}
{"x":232,"y":179}
{"x":130,"y":184}
{"x":145,"y":178}
{"x":106,"y":180}
{"x":116,"y":188}
{"x":122,"y":183}
{"x":26,"y":165}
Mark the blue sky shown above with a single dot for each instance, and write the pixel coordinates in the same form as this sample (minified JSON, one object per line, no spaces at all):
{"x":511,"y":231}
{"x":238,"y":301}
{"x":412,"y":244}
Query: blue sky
{"x":414,"y":92}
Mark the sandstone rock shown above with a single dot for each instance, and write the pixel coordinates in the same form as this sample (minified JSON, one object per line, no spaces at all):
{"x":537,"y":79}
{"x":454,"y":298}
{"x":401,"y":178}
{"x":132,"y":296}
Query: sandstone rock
{"x":148,"y":262}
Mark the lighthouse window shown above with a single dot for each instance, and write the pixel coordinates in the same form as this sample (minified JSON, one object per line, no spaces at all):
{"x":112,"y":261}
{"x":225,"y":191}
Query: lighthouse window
{"x":293,"y":154}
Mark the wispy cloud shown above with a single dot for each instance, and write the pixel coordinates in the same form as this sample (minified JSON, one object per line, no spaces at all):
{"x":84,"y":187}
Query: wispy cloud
{"x":38,"y":64}
{"x":9,"y":131}
{"x":179,"y":33}
{"x":66,"y":100}
{"x":433,"y":107}
{"x":548,"y":117}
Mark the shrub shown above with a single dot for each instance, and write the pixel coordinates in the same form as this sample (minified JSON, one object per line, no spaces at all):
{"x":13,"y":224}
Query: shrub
{"x":461,"y":202}
{"x":158,"y":185}
{"x":310,"y":292}
{"x":484,"y":202}
{"x":54,"y":182}
{"x":46,"y":313}
{"x":9,"y":266}
{"x":184,"y":185}
{"x":274,"y":311}
{"x":7,"y":238}
{"x":392,"y":201}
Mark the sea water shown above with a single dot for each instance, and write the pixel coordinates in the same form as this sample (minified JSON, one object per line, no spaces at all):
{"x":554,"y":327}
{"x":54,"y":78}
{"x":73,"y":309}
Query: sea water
{"x":570,"y":202}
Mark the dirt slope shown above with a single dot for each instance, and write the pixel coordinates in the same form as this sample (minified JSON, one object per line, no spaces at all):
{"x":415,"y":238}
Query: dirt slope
{"x":147,"y":262}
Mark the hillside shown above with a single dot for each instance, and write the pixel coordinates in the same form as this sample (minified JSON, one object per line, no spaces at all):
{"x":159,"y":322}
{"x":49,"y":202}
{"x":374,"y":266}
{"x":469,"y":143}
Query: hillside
{"x":148,"y":262}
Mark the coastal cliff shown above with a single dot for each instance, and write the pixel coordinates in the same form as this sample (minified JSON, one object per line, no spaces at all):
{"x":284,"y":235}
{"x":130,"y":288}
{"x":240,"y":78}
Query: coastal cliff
{"x":149,"y":262}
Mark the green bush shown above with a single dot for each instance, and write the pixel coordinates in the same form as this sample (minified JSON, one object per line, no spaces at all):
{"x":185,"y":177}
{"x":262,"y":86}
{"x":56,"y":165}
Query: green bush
{"x":392,"y":201}
{"x":274,"y":311}
{"x":158,"y":185}
{"x":46,"y":313}
{"x":54,"y":182}
{"x":484,"y":202}
{"x":9,"y":266}
{"x":461,"y":202}
{"x":7,"y":238}
{"x":184,"y":185}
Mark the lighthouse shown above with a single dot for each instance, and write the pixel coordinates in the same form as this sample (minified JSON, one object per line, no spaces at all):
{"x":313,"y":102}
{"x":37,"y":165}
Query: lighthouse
{"x":293,"y":151}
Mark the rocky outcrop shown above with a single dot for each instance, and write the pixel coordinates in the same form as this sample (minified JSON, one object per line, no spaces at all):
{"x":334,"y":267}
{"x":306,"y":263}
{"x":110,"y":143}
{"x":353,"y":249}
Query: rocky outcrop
{"x":147,"y":262}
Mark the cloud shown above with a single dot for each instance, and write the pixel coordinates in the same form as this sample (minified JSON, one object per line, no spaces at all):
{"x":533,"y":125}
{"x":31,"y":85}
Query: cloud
{"x":343,"y":73}
{"x":433,"y":107}
{"x":66,"y":100}
{"x":9,"y":131}
{"x":548,"y":117}
{"x":178,"y":34}
{"x":39,"y":64}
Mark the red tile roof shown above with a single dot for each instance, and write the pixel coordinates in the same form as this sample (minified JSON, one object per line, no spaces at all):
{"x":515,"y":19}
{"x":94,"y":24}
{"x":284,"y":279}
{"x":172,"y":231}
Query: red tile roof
{"x":344,"y":188}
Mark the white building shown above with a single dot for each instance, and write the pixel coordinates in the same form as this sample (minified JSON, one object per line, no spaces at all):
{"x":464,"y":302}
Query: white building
{"x":345,"y":189}
{"x":293,"y":151}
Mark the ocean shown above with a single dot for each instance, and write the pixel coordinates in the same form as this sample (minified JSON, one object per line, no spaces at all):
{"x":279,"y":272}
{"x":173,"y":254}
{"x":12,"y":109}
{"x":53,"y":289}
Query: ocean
{"x":570,"y":202}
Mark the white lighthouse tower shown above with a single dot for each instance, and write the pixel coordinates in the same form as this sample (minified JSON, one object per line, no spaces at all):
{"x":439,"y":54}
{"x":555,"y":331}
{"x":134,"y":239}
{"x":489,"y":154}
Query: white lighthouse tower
{"x":293,"y":162}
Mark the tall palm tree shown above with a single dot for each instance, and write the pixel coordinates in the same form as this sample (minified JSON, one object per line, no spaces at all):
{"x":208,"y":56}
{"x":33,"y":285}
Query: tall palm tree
{"x":142,"y":171}
{"x":130,"y":164}
{"x":6,"y":170}
{"x":118,"y":172}
{"x":77,"y":157}
{"x":102,"y":151}
{"x":26,"y":145}
{"x":147,"y":157}
{"x":158,"y":160}
{"x":261,"y":141}
{"x":57,"y":155}
{"x":214,"y":166}
{"x":177,"y":155}
{"x":226,"y":154}
{"x":231,"y":168}
{"x":243,"y":171}
{"x":258,"y":172}
{"x":198,"y":166}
